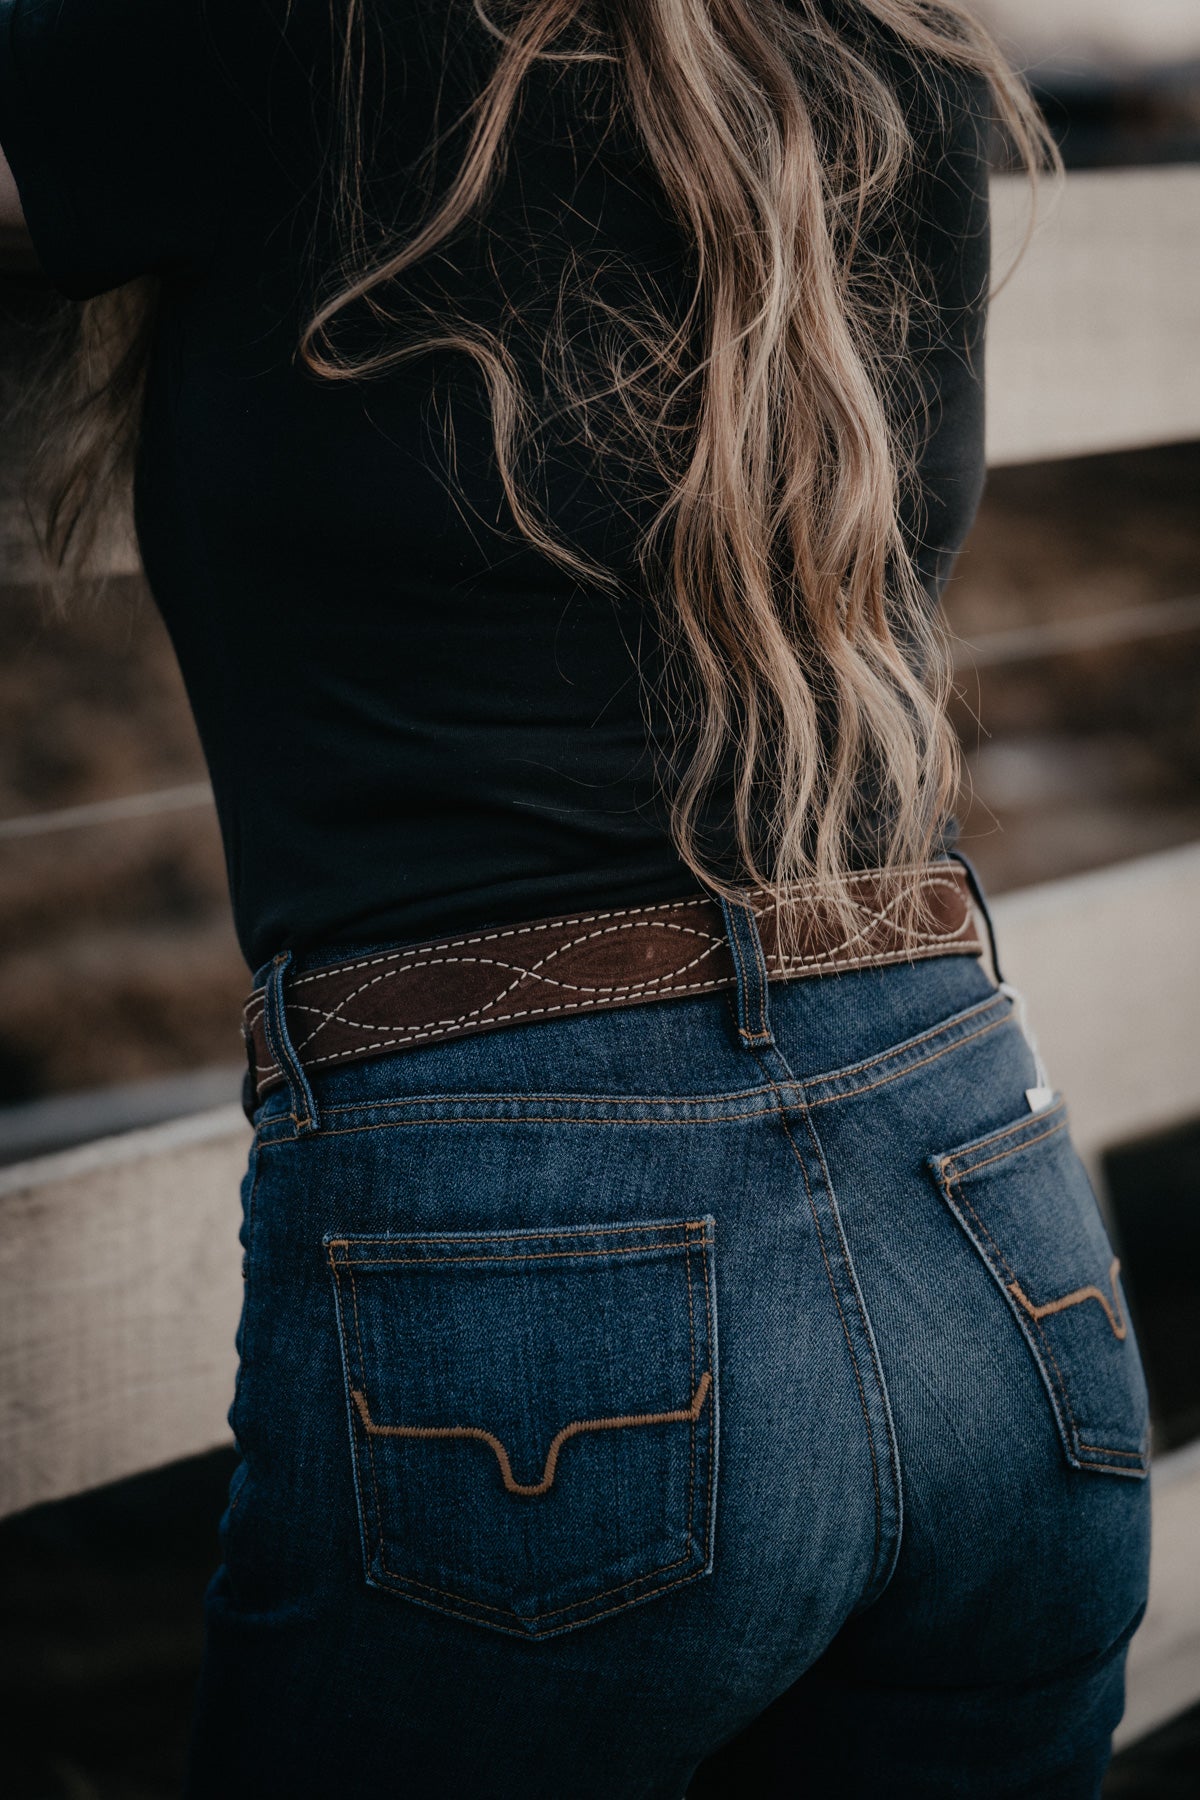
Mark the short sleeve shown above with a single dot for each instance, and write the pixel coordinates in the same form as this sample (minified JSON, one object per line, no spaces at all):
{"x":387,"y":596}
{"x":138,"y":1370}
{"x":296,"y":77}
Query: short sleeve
{"x":122,"y":121}
{"x":101,"y":119}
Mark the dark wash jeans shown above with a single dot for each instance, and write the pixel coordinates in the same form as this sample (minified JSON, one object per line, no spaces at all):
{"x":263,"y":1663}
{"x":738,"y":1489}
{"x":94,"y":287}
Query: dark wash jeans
{"x":630,"y":1405}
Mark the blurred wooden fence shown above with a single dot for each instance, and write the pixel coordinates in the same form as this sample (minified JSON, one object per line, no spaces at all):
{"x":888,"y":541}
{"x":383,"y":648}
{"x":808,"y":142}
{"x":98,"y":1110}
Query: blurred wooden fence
{"x":1095,"y":342}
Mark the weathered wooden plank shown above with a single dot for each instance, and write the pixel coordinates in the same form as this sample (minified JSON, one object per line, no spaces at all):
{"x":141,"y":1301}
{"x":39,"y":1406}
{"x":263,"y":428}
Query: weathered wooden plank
{"x":1110,"y":969}
{"x":1085,"y":36}
{"x":1092,"y":344}
{"x":1163,"y":1672}
{"x":119,"y":1294}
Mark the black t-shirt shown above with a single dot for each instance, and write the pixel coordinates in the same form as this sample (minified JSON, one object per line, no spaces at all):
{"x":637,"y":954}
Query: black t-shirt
{"x":414,"y":721}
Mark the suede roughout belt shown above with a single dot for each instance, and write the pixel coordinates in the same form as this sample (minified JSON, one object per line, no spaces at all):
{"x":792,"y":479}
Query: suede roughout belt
{"x":386,"y":1001}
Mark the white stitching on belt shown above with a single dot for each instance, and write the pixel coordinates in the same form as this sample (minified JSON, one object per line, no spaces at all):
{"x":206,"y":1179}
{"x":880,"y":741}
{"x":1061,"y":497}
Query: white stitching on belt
{"x":521,"y":973}
{"x":920,"y":943}
{"x":917,"y":938}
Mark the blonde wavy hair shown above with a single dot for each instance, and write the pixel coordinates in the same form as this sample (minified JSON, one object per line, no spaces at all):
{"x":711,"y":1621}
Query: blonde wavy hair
{"x":806,"y":670}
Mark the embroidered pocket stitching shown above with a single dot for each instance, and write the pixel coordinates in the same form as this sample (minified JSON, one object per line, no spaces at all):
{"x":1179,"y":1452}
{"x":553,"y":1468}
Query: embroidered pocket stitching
{"x":555,"y":1611}
{"x":952,"y":1185}
{"x":1061,"y":1385}
{"x":1112,"y":1310}
{"x":477,"y":1434}
{"x":686,"y":1241}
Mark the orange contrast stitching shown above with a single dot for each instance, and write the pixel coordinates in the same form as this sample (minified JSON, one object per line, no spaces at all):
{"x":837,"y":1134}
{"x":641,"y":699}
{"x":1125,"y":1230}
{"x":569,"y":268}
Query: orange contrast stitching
{"x":712,"y":1349}
{"x":904,"y":1068}
{"x":687,"y":1269}
{"x":1112,"y":1313}
{"x":766,"y":1092}
{"x":468,"y":1602}
{"x":370,"y":1445}
{"x":551,"y":1612}
{"x":492,"y":1237}
{"x":1004,"y":1262}
{"x":1104,"y":1449}
{"x":681,"y":1415}
{"x":903,"y":1050}
{"x":862,"y":1395}
{"x":864,"y":1320}
{"x":423,"y":1262}
{"x":998,"y":1137}
{"x":532,"y":1119}
{"x":1010,"y":1150}
{"x":592,"y":1099}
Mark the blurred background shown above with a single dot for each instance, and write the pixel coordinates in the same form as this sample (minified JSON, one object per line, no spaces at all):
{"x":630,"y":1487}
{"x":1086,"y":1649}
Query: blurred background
{"x":1076,"y":608}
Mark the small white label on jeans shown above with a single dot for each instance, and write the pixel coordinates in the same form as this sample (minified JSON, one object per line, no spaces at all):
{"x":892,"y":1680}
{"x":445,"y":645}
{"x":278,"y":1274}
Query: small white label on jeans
{"x":1039,"y":1097}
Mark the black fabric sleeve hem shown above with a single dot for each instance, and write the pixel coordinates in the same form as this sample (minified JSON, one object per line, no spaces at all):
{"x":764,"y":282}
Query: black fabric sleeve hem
{"x":51,"y":220}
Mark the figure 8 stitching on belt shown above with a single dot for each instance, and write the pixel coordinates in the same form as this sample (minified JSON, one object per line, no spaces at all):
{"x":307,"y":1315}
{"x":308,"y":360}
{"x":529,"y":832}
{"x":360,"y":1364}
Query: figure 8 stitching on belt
{"x":631,"y":957}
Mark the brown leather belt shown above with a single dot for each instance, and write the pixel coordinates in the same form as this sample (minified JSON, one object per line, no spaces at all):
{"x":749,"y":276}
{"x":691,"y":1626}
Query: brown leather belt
{"x":393,"y":1000}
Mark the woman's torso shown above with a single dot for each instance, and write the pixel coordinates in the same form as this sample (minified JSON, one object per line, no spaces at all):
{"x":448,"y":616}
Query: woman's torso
{"x":414,"y":721}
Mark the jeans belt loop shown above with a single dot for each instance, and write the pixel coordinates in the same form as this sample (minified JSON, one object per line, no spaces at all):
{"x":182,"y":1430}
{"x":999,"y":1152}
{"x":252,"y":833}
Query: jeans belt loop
{"x":283,"y":1051}
{"x":977,"y":894}
{"x":753,"y":976}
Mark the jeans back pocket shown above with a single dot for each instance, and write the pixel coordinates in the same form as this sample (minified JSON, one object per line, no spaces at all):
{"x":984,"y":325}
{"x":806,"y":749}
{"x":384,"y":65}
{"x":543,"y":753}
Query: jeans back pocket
{"x":1023,"y":1197}
{"x":532,"y":1416}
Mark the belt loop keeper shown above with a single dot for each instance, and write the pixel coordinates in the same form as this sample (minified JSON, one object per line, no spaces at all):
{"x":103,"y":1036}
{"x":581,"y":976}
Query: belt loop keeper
{"x":750,"y":965}
{"x":249,"y":1076}
{"x":283,"y":1051}
{"x":976,"y":887}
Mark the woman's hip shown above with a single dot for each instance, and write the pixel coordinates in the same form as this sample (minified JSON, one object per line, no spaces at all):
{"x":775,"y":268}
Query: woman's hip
{"x":622,"y":1345}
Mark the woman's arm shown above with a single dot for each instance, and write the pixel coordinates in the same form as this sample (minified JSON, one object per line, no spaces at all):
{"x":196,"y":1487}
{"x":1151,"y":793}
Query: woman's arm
{"x":10,"y":201}
{"x":16,"y":250}
{"x":12,"y":219}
